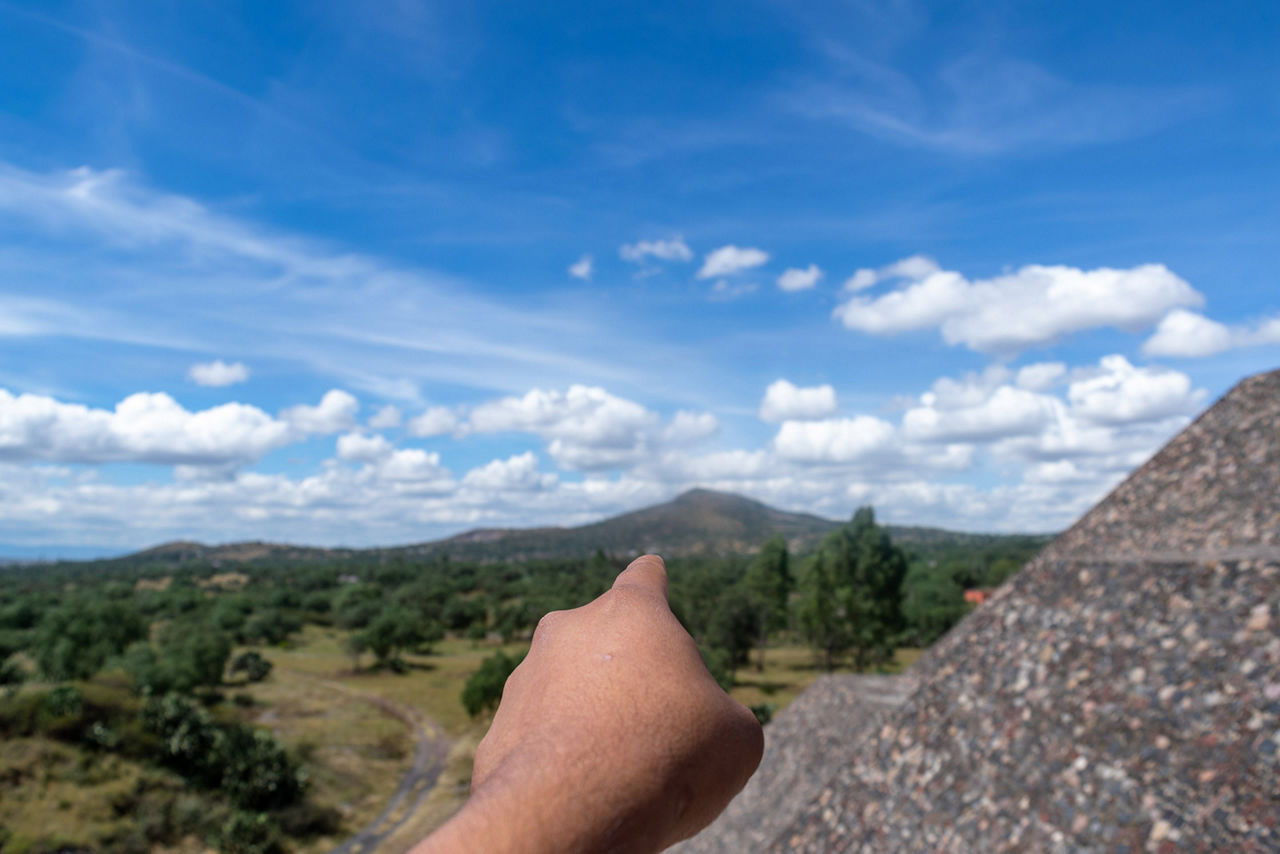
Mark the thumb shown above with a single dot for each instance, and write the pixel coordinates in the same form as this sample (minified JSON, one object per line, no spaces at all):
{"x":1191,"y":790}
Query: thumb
{"x":647,"y":572}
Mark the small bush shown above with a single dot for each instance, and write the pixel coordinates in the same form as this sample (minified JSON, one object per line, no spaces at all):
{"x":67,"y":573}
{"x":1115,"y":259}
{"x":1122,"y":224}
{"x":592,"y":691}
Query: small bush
{"x":483,"y":690}
{"x":254,"y":667}
{"x":249,"y":833}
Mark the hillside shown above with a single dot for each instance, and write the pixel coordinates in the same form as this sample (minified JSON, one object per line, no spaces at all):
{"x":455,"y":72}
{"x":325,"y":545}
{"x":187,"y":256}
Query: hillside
{"x":697,"y":522}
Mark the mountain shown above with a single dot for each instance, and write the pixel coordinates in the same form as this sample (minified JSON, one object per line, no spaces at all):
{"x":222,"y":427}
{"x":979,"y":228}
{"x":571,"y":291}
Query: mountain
{"x":698,"y":522}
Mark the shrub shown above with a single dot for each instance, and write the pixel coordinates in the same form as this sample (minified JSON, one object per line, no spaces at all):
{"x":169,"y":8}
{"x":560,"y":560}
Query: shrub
{"x":252,"y":665}
{"x":247,"y":764}
{"x":483,"y":690}
{"x":249,"y":833}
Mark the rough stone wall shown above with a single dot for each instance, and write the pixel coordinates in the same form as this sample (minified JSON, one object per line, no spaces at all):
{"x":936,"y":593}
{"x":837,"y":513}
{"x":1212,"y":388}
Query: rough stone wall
{"x":1122,"y":693}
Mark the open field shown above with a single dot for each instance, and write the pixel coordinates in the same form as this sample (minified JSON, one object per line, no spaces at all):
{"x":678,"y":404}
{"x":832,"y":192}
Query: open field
{"x":357,"y":730}
{"x":361,"y":749}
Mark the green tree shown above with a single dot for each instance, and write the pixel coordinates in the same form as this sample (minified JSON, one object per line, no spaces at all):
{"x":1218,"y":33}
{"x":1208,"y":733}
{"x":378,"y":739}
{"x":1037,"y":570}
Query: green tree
{"x":483,"y":690}
{"x":270,"y":626}
{"x":734,"y":626}
{"x":853,"y":592}
{"x":769,"y":582}
{"x":393,"y":630}
{"x":932,"y":603}
{"x":190,"y":655}
{"x":254,"y":667}
{"x":76,"y":640}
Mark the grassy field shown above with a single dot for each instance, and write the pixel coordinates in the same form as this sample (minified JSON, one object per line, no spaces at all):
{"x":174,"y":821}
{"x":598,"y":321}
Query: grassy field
{"x":356,"y":730}
{"x":359,"y":751}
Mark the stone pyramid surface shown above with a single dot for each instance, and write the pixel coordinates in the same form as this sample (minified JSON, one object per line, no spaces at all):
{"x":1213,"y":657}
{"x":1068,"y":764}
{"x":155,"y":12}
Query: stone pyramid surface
{"x":1121,"y":693}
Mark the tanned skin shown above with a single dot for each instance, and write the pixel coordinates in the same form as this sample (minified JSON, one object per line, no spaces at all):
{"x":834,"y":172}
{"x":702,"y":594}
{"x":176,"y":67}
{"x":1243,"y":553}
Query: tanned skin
{"x":611,"y":736}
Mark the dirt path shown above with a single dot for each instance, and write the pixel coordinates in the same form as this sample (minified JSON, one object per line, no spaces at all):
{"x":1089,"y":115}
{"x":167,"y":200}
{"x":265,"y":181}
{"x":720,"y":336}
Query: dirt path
{"x":430,"y":753}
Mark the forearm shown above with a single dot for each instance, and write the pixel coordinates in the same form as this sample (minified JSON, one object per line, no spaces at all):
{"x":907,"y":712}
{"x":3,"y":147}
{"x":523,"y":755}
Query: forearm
{"x":529,"y":810}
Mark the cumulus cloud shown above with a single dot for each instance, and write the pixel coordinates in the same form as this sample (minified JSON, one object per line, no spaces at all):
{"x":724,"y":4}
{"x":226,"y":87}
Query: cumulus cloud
{"x":218,"y":373}
{"x":356,"y":447}
{"x":674,"y":249}
{"x":435,"y":421}
{"x":796,"y":279}
{"x":840,"y":440}
{"x":1119,"y":393}
{"x":689,"y":427}
{"x":1041,"y":376}
{"x":415,"y":466}
{"x":335,"y":412}
{"x":728,"y":260}
{"x":1186,"y":334}
{"x":1005,"y":411}
{"x":411,"y":468}
{"x":582,"y":268}
{"x":784,"y":401}
{"x":143,"y":427}
{"x":1032,"y":306}
{"x":385,"y":418}
{"x":588,"y":428}
{"x":516,"y":473}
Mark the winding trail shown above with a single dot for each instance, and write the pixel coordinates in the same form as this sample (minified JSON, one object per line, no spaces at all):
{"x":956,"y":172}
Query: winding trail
{"x":430,"y":753}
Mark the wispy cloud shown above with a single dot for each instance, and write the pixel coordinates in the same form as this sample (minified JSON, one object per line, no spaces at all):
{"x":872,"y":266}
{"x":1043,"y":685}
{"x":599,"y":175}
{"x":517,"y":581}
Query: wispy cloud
{"x":263,"y":293}
{"x":983,"y":104}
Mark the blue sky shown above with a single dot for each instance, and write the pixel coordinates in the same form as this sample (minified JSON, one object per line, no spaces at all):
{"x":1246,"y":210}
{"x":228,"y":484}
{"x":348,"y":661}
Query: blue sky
{"x":357,"y":273}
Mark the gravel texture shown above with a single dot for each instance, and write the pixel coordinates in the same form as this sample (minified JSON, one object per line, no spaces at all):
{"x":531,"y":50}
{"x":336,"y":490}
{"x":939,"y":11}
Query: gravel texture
{"x":803,"y":747}
{"x":1121,"y":693}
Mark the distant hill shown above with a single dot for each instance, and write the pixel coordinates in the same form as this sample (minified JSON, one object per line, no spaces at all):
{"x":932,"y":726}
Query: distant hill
{"x":698,"y":522}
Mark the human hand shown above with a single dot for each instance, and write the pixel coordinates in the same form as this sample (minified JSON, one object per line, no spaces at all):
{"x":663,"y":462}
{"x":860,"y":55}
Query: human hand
{"x":611,"y":735}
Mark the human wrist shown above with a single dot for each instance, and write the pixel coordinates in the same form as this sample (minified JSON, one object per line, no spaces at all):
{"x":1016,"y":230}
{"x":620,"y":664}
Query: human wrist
{"x":577,"y":801}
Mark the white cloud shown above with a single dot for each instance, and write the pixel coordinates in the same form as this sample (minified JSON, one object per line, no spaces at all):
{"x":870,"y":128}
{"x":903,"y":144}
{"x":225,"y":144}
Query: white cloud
{"x":784,"y":401}
{"x":588,"y":428}
{"x":687,"y":428}
{"x":796,"y":279}
{"x":1041,"y":376}
{"x":1044,"y":470}
{"x":267,"y":294}
{"x":385,"y":418}
{"x":418,"y":466}
{"x":839,"y":440}
{"x":143,"y":427}
{"x":218,"y":373}
{"x":1186,"y":334}
{"x":914,"y":268}
{"x":1008,"y":411}
{"x":582,"y":268}
{"x":335,"y":412}
{"x":860,"y":281}
{"x":1032,"y":306}
{"x":435,"y":421}
{"x":1119,"y":393}
{"x":516,"y":473}
{"x":356,"y":447}
{"x":674,"y":249}
{"x":728,"y":260}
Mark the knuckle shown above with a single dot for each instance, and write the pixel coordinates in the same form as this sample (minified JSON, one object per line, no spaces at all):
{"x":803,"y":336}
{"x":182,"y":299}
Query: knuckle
{"x":547,"y":624}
